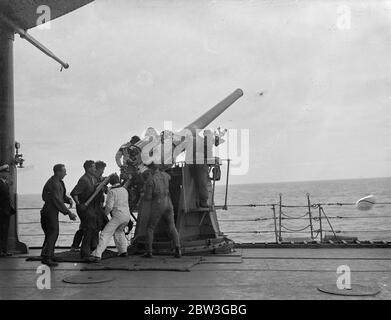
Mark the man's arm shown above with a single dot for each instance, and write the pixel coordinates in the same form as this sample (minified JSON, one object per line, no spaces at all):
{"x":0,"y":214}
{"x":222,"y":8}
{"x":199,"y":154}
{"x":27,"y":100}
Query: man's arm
{"x":68,"y":200}
{"x":118,"y":157}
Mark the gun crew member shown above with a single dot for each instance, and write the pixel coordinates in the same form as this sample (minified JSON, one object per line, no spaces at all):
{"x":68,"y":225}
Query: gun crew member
{"x":123,"y":157}
{"x":6,"y":210}
{"x":101,"y":218}
{"x":54,"y":196}
{"x":88,"y":214}
{"x":117,"y":205}
{"x":157,"y":196}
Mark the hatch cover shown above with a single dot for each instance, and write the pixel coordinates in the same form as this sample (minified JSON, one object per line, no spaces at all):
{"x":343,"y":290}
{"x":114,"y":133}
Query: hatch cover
{"x":89,"y":278}
{"x":356,"y":290}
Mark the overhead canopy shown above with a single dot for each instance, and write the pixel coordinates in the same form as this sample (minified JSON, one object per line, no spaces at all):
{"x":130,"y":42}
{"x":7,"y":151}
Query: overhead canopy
{"x":24,"y":12}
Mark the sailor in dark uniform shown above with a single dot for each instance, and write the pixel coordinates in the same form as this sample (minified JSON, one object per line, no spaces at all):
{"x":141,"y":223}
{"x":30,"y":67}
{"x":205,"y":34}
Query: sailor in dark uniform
{"x":6,"y":211}
{"x":87,"y":214}
{"x":100,"y":167}
{"x":54,"y":196}
{"x":100,"y":199}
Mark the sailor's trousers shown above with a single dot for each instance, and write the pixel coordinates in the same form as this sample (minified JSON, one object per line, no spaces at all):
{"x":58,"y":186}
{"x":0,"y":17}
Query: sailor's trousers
{"x":90,"y":232}
{"x":50,"y":226}
{"x":161,"y":209}
{"x":115,"y":227}
{"x":4,"y":228}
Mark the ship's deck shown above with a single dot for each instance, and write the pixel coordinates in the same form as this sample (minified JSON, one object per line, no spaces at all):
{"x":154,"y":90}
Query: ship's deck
{"x":262,"y":274}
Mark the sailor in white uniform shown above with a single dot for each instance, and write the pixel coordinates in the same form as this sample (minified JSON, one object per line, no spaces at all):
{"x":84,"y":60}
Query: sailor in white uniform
{"x":118,"y":206}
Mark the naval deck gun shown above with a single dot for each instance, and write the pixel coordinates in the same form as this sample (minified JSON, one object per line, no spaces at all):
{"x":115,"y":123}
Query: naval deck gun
{"x":198,"y":227}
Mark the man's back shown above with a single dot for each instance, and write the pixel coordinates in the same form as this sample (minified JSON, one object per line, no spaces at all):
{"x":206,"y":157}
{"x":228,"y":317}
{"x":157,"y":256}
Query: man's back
{"x":117,"y":200}
{"x":50,"y":185}
{"x":54,"y":195}
{"x":85,"y":188}
{"x":157,"y":186}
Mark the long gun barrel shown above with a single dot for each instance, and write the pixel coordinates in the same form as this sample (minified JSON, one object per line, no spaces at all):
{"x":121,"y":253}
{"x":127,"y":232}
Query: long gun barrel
{"x":24,"y":35}
{"x":203,"y":121}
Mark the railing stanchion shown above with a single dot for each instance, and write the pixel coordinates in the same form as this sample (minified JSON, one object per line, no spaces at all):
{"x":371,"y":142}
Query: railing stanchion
{"x":331,"y":227}
{"x":320,"y":223}
{"x":310,"y":216}
{"x":226,"y":186}
{"x":280,"y":218}
{"x":275,"y":222}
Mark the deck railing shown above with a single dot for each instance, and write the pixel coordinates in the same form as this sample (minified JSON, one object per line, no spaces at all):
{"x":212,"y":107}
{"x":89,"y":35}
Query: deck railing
{"x":313,"y":224}
{"x":316,"y":222}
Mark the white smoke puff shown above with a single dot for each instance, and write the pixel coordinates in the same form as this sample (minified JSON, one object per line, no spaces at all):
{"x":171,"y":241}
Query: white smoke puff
{"x":366,"y":203}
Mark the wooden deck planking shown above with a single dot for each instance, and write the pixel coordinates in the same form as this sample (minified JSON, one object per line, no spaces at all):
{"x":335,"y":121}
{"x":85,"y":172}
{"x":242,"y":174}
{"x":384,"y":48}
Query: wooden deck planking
{"x":255,"y":278}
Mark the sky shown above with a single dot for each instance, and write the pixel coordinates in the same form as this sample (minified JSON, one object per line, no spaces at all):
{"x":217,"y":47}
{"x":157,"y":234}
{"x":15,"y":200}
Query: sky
{"x":317,"y":96}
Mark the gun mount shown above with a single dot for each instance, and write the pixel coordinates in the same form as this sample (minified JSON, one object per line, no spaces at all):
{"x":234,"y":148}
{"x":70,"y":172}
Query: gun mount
{"x":198,"y":226}
{"x":152,"y":149}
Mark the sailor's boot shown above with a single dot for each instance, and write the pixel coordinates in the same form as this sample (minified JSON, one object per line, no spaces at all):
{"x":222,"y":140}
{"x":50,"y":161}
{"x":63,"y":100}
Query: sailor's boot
{"x":178,"y":252}
{"x":94,"y":259}
{"x":49,"y":262}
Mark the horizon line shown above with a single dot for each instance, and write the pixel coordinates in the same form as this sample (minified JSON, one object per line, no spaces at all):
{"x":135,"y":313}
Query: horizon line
{"x":270,"y":182}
